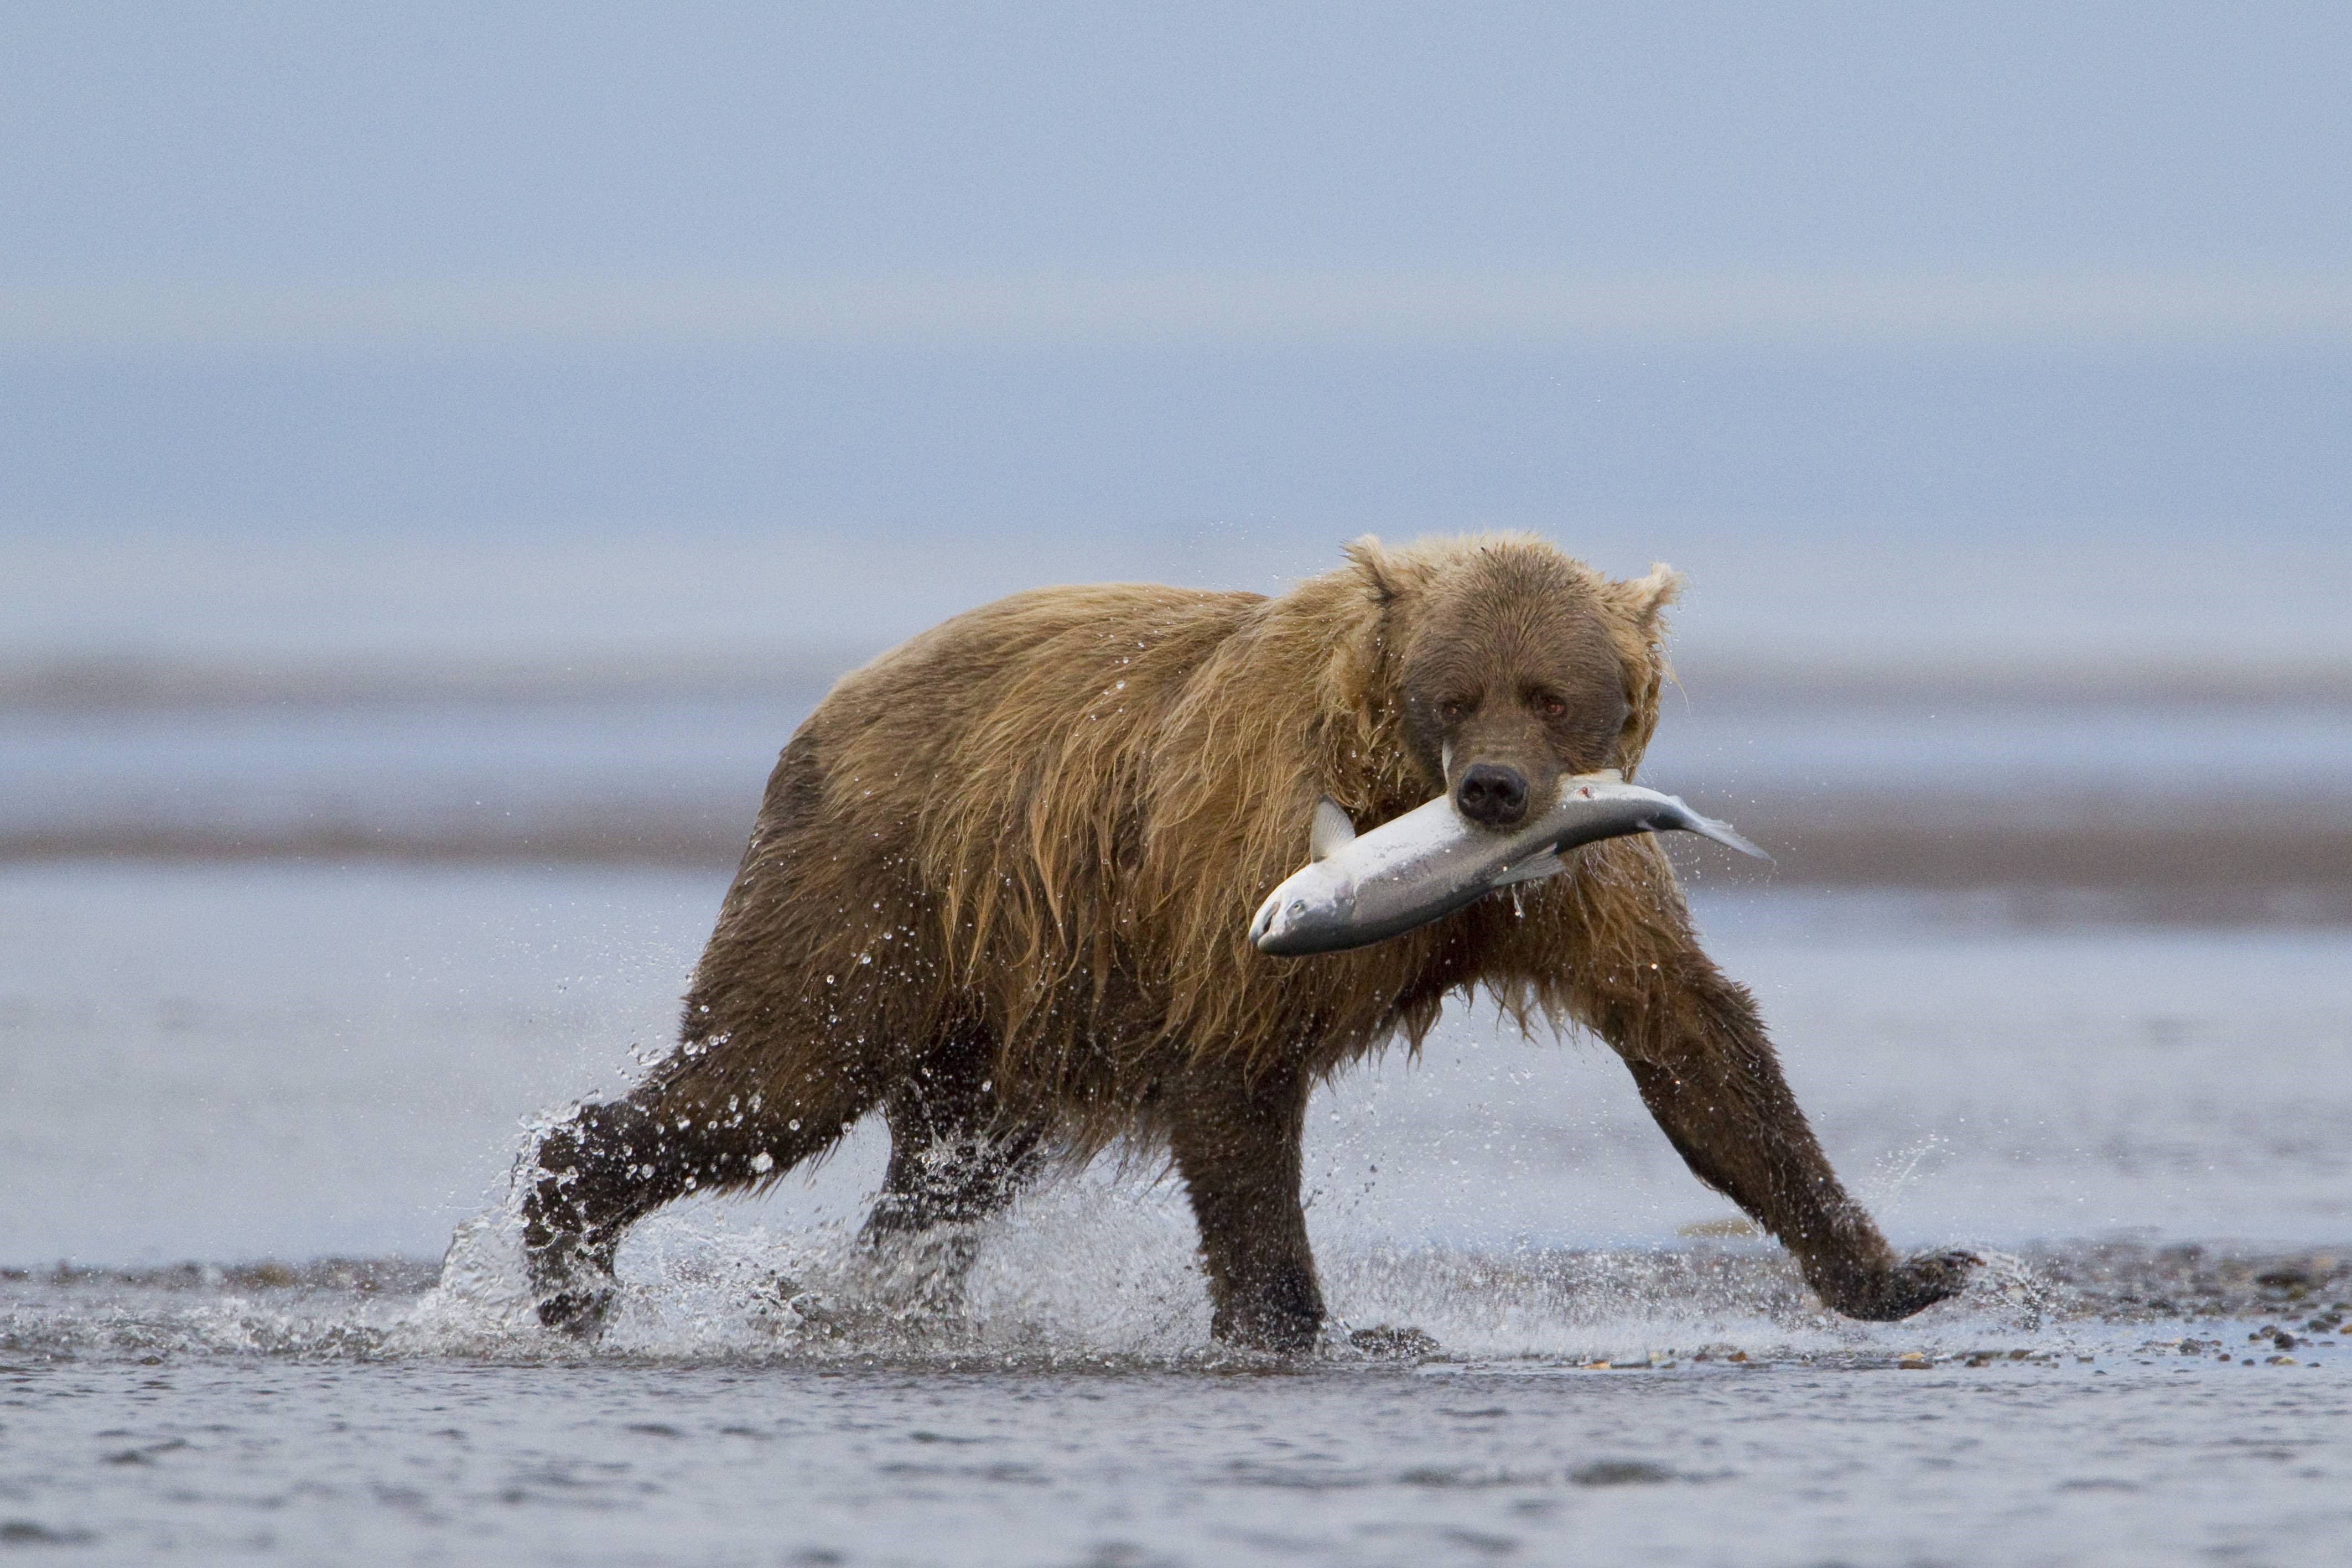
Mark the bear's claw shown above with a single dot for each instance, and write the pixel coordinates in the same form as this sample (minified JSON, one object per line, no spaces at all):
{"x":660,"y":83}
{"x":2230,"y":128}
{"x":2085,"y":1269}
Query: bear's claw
{"x":1912,"y":1285}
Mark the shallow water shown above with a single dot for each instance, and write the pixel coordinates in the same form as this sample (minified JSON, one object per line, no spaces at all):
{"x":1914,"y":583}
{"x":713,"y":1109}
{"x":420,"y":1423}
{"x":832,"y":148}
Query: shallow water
{"x":2023,"y":1464}
{"x":2148,"y":1131}
{"x":228,"y":1419}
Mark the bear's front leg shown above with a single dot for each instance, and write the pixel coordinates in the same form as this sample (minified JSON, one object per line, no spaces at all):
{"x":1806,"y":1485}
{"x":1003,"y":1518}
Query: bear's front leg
{"x":1707,"y":1071}
{"x":1237,"y":1143}
{"x":1740,"y":1132}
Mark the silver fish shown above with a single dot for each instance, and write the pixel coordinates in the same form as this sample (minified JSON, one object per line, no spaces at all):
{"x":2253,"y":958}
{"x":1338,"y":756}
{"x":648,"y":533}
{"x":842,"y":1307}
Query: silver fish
{"x":1362,"y":889}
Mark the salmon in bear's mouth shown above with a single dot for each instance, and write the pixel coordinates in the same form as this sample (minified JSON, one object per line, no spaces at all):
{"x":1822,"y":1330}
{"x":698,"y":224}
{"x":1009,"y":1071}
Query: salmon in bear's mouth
{"x":1357,"y":890}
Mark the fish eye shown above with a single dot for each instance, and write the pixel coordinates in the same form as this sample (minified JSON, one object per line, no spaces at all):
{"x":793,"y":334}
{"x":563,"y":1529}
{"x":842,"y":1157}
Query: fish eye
{"x":1298,"y":905}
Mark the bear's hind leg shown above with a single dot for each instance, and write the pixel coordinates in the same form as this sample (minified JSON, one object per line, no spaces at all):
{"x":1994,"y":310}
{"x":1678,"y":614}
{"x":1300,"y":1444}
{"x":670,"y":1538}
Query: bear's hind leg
{"x":947,"y":1171}
{"x":613,"y":1163}
{"x":955,"y":1160}
{"x":1238,"y":1147}
{"x":583,"y":1188}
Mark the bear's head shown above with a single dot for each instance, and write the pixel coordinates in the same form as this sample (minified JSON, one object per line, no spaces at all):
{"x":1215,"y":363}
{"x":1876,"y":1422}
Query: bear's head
{"x":1507,"y":665}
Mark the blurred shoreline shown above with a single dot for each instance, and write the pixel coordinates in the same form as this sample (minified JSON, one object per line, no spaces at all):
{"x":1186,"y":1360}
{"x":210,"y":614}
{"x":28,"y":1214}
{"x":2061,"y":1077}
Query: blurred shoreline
{"x":99,"y":683}
{"x":2139,"y":789}
{"x":2283,"y":862}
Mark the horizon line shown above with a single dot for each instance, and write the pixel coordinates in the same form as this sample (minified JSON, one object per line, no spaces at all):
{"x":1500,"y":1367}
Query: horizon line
{"x":1208,"y":308}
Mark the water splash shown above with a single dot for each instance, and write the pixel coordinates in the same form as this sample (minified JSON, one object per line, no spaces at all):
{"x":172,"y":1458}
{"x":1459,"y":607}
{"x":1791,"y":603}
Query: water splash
{"x":1097,"y":1272}
{"x":1893,"y":1174}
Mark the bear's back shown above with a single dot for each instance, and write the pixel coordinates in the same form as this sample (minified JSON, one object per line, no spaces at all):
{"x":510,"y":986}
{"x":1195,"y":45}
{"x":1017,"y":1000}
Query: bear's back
{"x":1027,"y":695}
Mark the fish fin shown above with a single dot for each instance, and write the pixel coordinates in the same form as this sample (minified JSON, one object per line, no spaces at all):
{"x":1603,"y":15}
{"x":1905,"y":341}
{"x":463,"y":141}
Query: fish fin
{"x":1533,"y":869}
{"x":1331,"y":833}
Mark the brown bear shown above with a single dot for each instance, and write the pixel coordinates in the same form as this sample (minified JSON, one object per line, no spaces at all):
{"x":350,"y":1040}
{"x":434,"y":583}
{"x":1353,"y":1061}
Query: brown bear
{"x":999,"y":883}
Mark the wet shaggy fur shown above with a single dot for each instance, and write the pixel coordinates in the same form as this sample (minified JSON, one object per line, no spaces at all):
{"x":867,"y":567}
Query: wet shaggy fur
{"x":998,"y":892}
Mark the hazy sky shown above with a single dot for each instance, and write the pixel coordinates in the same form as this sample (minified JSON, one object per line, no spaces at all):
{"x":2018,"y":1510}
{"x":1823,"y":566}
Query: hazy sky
{"x":287,"y":142}
{"x":423,"y":266}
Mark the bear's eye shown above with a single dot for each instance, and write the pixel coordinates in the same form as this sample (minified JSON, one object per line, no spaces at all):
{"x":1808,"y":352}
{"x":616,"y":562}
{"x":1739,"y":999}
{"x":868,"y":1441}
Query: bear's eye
{"x":1549,"y":704}
{"x":1451,"y":710}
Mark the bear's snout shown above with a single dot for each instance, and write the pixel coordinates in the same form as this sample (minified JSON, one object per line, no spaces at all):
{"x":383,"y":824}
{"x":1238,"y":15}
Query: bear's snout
{"x":1492,"y":796}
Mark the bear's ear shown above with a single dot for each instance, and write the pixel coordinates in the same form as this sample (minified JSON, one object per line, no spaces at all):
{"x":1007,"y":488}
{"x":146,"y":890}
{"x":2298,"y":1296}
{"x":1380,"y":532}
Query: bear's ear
{"x":1353,"y":679}
{"x":1644,"y":599}
{"x":1371,"y":560}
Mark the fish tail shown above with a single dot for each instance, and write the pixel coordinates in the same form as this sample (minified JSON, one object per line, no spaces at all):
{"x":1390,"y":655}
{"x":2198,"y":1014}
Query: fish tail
{"x":1723,"y":833}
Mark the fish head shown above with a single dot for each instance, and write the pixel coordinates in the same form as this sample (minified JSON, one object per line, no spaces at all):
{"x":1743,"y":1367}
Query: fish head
{"x":1309,"y":913}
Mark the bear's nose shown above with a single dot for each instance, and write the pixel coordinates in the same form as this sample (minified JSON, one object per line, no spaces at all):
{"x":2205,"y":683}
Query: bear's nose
{"x":1492,"y":795}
